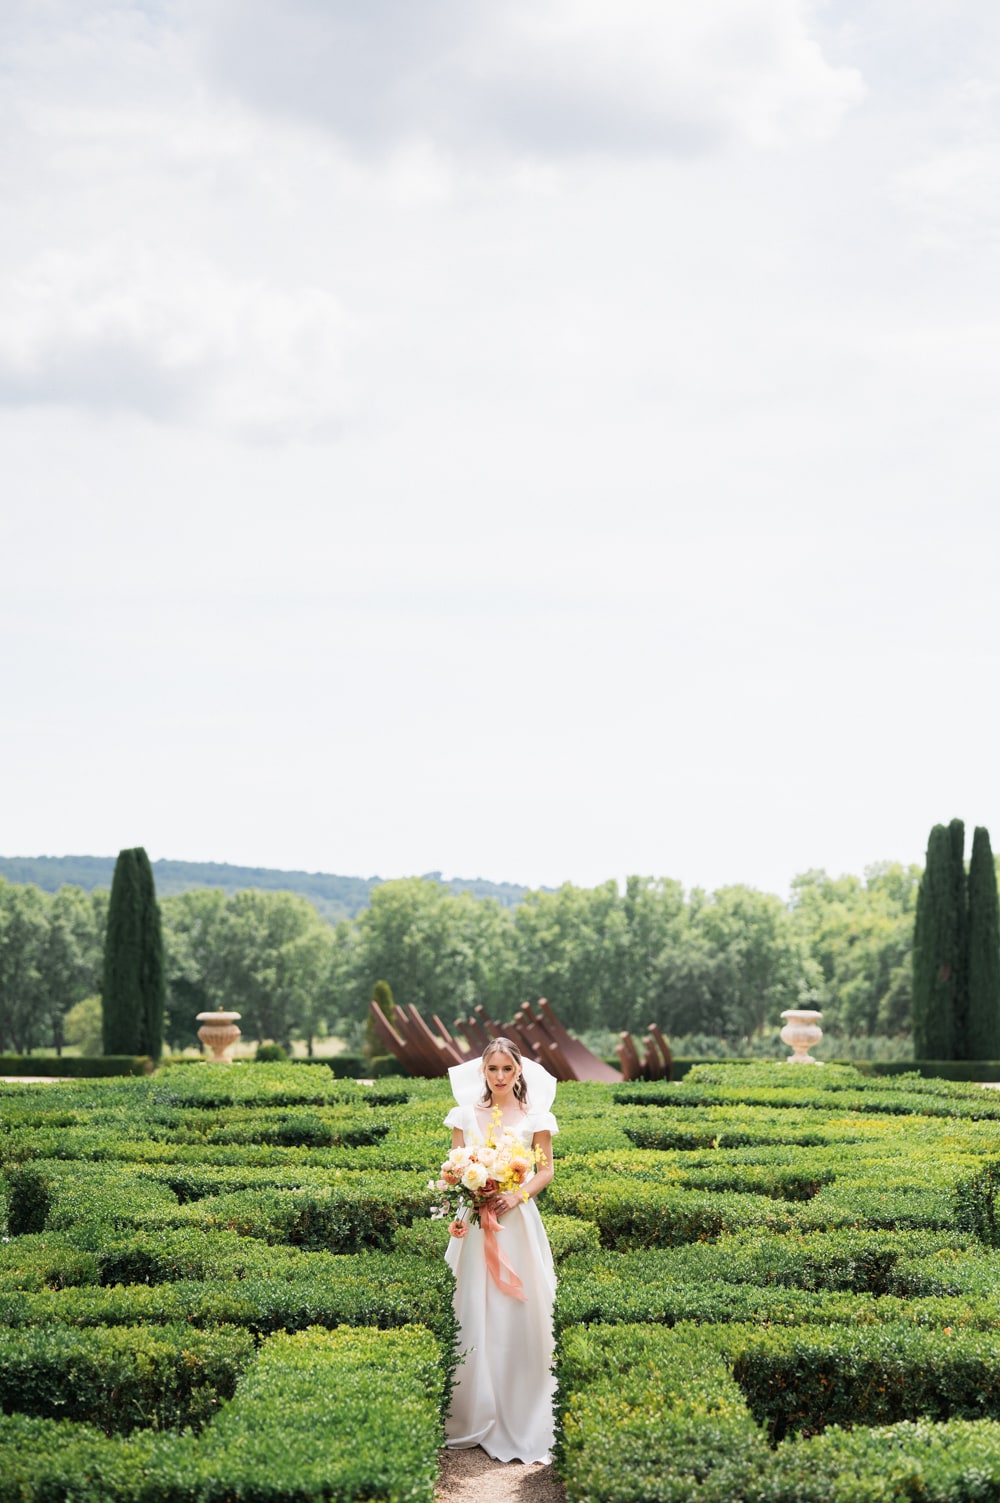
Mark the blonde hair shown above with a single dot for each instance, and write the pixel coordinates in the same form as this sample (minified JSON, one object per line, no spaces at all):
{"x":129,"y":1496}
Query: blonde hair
{"x":505,"y":1046}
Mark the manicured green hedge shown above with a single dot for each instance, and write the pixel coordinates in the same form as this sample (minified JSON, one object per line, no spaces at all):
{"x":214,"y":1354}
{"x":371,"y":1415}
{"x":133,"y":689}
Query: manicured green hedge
{"x":976,"y":1203}
{"x":49,"y":1260}
{"x":345,"y":1414}
{"x":59,"y":1461}
{"x":812,"y":1215}
{"x":654,"y":1416}
{"x":646,"y":1215}
{"x":933,"y":1069}
{"x":246,"y":1083}
{"x":706,"y":1134}
{"x":864,"y":1283}
{"x":99,"y":1145}
{"x":56,"y":1196}
{"x":167,"y":1377}
{"x":979,"y":1105}
{"x":803,"y":1380}
{"x":337,"y":1414}
{"x":75,"y":1067}
{"x":357,"y":1067}
{"x":342,"y":1218}
{"x":299,"y":1289}
{"x":348,"y":1125}
{"x":348,"y":1212}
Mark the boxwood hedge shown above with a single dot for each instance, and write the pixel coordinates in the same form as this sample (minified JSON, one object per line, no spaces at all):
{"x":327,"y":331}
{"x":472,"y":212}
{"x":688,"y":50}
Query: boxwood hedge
{"x":750,"y":1282}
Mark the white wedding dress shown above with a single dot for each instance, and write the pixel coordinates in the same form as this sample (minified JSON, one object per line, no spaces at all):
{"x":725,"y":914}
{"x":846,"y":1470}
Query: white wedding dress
{"x":504,"y":1389}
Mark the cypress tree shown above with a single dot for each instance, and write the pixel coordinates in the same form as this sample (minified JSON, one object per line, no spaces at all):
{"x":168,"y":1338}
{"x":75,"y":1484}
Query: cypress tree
{"x":382,"y":994}
{"x":939,"y":949}
{"x":960,"y":908}
{"x":134,"y":986}
{"x":984,"y":952}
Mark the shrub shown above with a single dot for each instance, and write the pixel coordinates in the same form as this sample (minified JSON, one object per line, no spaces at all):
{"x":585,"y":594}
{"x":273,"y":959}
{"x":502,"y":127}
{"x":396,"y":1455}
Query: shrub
{"x":648,"y":1416}
{"x":44,"y":1460}
{"x":30,"y":1263}
{"x":975,"y":1203}
{"x":803,"y":1380}
{"x":653,"y":1416}
{"x":344,"y":1217}
{"x":334,"y":1414}
{"x":167,"y":1377}
{"x":774,"y":1201}
{"x":77,"y":1067}
{"x":326,"y":1414}
{"x":652,"y":1215}
{"x":28,"y":1199}
{"x":283,"y":1290}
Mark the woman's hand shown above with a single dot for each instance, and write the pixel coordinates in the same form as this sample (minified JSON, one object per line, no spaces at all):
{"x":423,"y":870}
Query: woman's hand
{"x":508,"y":1202}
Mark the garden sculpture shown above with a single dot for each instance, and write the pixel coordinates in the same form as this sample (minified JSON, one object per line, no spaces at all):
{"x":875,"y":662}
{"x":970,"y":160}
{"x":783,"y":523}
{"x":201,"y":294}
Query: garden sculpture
{"x":430,"y":1051}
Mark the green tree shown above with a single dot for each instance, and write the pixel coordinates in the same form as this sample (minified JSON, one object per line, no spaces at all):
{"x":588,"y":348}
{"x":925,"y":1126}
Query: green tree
{"x":571,"y":947}
{"x":24,"y":924}
{"x":983,"y":1029}
{"x":273,"y":954}
{"x":939,"y":948}
{"x":70,"y":959}
{"x":860,"y":933}
{"x":134,"y":990}
{"x":83,"y":1025}
{"x":191,"y":938}
{"x":760,"y":964}
{"x":656,"y":930}
{"x":440,"y":952}
{"x":382,"y":994}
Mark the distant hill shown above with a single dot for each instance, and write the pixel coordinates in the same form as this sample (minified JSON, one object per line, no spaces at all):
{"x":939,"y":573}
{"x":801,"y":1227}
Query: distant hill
{"x":334,"y":897}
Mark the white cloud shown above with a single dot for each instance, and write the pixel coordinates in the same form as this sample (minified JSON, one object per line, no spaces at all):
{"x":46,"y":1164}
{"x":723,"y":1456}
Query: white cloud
{"x":536,"y":77}
{"x":947,"y":181}
{"x":112,"y":331}
{"x":663,"y":488}
{"x":952,"y":193}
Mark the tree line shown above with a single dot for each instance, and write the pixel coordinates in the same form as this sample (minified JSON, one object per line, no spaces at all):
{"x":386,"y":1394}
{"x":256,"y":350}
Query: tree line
{"x":723,"y":963}
{"x":334,"y":897}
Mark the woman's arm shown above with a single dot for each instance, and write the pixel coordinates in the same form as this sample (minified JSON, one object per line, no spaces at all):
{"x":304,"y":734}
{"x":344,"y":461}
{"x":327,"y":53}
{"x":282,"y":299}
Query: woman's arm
{"x":543,"y":1175}
{"x":457,"y":1138}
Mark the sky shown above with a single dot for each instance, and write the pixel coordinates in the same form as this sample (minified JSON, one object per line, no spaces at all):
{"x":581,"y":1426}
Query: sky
{"x":543,"y":440}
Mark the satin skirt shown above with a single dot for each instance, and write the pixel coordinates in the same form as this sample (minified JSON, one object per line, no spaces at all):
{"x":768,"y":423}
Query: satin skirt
{"x":504,"y":1388}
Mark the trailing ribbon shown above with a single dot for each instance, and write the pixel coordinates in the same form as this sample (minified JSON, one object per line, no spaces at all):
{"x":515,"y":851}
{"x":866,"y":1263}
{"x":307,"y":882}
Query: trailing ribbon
{"x":501,"y":1270}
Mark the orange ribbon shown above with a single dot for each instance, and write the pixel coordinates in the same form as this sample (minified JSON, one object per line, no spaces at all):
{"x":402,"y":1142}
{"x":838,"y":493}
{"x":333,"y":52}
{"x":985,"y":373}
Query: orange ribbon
{"x":500,"y":1268}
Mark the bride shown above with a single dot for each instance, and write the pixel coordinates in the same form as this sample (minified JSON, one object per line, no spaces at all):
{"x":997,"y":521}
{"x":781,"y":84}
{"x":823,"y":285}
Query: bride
{"x":502,"y":1400}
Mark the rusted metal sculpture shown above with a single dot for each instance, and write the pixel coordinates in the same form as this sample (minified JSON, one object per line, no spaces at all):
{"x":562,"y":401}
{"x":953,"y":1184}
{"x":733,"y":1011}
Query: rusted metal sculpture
{"x":537,"y":1032}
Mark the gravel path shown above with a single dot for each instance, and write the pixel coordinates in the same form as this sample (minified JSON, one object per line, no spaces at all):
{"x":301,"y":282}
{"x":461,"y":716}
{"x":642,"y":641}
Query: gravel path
{"x":472,"y":1477}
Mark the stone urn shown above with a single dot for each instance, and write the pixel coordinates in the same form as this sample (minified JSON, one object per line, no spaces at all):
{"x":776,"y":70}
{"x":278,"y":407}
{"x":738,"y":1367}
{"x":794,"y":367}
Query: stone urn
{"x":801,"y":1033}
{"x":218,"y":1033}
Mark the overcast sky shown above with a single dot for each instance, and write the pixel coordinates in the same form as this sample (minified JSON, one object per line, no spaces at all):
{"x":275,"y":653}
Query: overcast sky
{"x":537,"y":439}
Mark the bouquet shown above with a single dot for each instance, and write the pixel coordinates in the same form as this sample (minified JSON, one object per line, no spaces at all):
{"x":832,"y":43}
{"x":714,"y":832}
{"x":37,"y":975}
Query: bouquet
{"x":473,"y":1176}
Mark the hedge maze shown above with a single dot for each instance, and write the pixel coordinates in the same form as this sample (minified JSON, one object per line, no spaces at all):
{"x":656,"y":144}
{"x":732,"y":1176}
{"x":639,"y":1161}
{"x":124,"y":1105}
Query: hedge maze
{"x":776,"y":1283}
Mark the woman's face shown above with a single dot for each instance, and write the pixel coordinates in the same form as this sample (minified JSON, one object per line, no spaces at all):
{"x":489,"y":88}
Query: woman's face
{"x":501,"y":1075}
